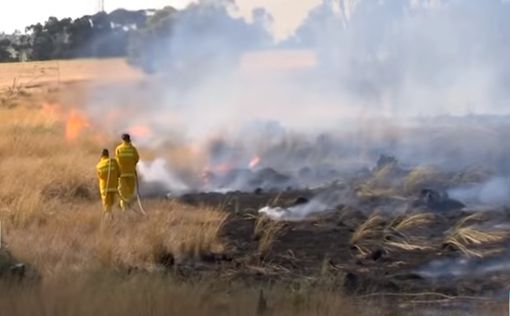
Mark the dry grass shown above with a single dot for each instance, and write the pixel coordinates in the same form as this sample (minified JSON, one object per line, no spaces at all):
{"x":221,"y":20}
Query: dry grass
{"x":40,"y":170}
{"x":473,"y":236}
{"x":371,"y":228}
{"x":108,"y":293}
{"x":403,"y":232}
{"x":410,"y":234}
{"x":46,"y":72}
{"x":406,"y":246}
{"x":399,"y":234}
{"x":267,"y":231}
{"x":475,"y":218}
{"x":423,"y":177}
{"x":383,"y":182}
{"x":78,"y":239}
{"x":391,"y":181}
{"x":414,"y":221}
{"x":466,"y":239}
{"x":471,"y":240}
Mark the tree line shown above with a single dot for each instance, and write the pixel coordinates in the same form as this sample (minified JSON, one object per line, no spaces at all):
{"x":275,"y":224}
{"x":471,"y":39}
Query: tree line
{"x":151,"y":39}
{"x":95,"y":36}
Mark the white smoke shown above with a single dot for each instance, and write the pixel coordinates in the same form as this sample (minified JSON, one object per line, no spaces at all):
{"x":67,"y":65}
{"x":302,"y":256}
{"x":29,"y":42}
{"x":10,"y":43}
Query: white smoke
{"x":157,"y":172}
{"x":462,"y":267}
{"x":496,"y":191}
{"x":295,"y":213}
{"x":357,"y":79}
{"x":406,"y":57}
{"x":325,"y":201}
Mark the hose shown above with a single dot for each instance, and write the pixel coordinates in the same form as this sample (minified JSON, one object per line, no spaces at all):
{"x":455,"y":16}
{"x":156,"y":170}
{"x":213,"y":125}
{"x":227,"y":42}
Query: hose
{"x":138,"y":198}
{"x":107,"y":179}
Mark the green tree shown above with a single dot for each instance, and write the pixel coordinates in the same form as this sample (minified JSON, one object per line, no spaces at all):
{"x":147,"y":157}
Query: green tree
{"x":145,"y":44}
{"x":22,"y":46}
{"x":5,"y":50}
{"x":98,"y":35}
{"x":49,"y":41}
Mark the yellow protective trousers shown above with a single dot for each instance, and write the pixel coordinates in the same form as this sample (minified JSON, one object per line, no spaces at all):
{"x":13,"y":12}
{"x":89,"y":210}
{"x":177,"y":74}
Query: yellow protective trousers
{"x":108,"y":199}
{"x":127,"y":190}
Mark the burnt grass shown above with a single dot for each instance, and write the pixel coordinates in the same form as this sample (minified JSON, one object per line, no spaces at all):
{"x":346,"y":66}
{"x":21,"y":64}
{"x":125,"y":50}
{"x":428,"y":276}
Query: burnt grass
{"x":319,"y":250}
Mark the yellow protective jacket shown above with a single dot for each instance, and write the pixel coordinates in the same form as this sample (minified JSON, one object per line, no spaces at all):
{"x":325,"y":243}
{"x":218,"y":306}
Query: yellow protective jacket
{"x":108,"y":173}
{"x":127,"y":157}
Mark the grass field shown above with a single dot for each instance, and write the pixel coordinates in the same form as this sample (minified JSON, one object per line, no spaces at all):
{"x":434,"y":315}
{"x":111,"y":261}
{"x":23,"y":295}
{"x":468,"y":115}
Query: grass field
{"x":51,"y":219}
{"x":52,"y":72}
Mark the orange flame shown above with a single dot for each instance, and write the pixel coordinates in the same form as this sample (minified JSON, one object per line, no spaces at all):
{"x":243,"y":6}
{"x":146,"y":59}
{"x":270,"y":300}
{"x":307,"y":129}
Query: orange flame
{"x":140,"y":131}
{"x":255,"y":162}
{"x":76,"y":122}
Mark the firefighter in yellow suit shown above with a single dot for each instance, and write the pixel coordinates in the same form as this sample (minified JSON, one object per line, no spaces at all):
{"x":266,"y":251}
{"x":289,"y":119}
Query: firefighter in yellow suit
{"x":127,"y":158}
{"x":108,"y":173}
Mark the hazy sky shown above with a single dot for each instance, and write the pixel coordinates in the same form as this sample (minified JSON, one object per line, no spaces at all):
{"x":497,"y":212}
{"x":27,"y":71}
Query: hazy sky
{"x":18,"y":14}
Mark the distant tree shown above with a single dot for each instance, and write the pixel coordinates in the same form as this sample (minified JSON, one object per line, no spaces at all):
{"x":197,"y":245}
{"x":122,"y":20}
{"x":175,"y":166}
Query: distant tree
{"x":104,"y":35}
{"x":49,"y":41}
{"x":146,"y":47}
{"x":98,"y":35}
{"x":109,"y":39}
{"x":22,"y":46}
{"x":201,"y":37}
{"x":128,"y":19}
{"x":41,"y":43}
{"x":80,"y":35}
{"x":5,"y":50}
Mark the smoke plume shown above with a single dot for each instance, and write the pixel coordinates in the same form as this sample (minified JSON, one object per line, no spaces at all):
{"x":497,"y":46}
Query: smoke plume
{"x":424,"y":80}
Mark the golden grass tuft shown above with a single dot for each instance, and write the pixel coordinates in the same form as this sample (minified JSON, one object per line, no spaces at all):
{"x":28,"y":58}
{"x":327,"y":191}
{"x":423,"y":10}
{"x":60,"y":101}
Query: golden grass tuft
{"x":267,"y":231}
{"x":383,"y":176}
{"x":422,"y":177}
{"x":470,"y":235}
{"x":407,"y":246}
{"x":470,"y":240}
{"x":414,"y":221}
{"x":395,"y":235}
{"x":398,"y":233}
{"x":371,"y":228}
{"x":472,"y":219}
{"x":383,"y":182}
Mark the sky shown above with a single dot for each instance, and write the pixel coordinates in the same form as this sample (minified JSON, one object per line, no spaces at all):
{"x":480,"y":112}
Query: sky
{"x":17,"y":14}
